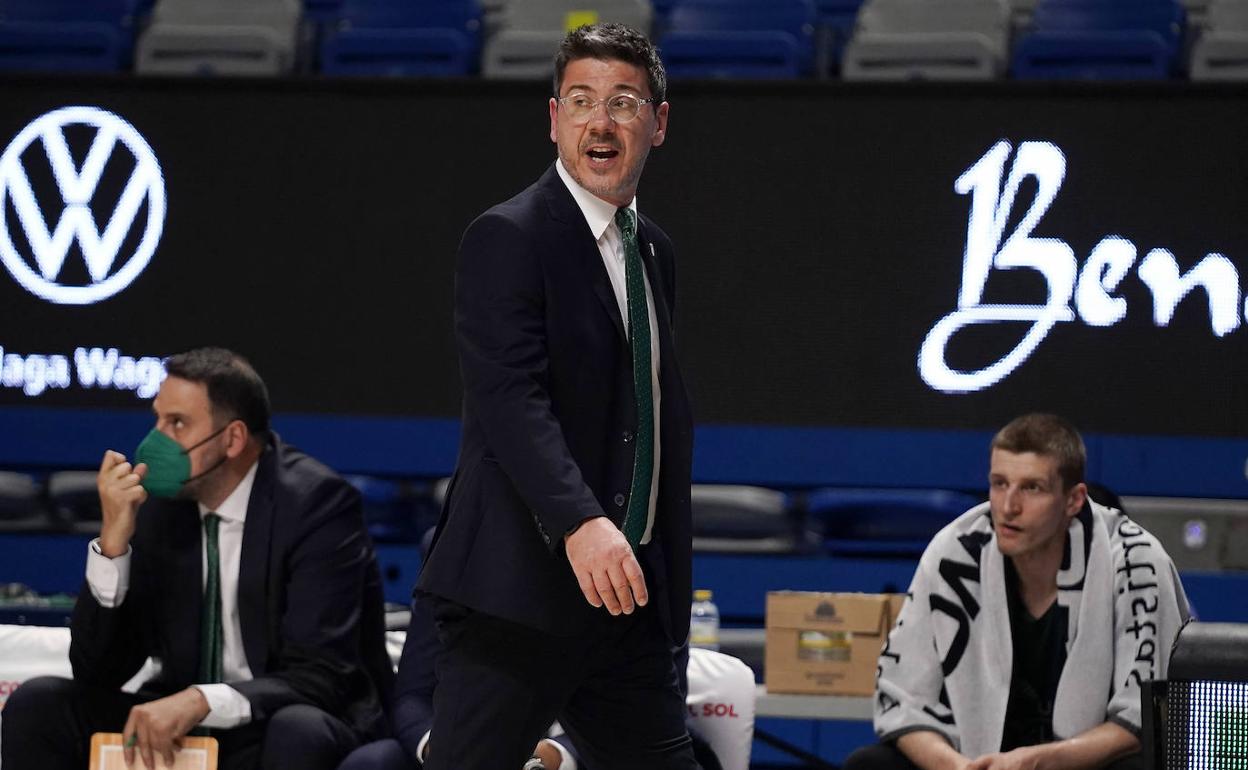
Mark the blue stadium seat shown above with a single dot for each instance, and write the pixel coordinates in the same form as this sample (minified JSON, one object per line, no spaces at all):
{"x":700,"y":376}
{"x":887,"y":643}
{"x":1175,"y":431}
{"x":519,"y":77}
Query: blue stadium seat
{"x":835,"y":26}
{"x":68,"y":35}
{"x":395,"y":511}
{"x":740,"y":519}
{"x":740,"y":39}
{"x":322,"y":10}
{"x":404,"y":38}
{"x":21,"y":503}
{"x":1101,"y":39}
{"x":75,"y":501}
{"x":662,"y":16}
{"x":884,"y":522}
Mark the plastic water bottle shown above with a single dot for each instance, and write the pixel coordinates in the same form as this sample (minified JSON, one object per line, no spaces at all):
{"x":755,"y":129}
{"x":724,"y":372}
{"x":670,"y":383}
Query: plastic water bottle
{"x":704,"y":621}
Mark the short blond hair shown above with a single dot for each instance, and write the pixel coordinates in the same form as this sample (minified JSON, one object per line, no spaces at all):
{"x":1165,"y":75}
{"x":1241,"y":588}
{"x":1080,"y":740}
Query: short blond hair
{"x":1050,"y":436}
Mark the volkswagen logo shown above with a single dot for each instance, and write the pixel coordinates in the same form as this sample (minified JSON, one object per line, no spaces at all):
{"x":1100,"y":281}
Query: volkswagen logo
{"x":50,"y":228}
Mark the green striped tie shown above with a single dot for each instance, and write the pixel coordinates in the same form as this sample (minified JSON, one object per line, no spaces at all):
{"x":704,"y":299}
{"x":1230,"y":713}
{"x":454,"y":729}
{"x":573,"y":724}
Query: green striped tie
{"x":639,"y":334}
{"x":210,"y":619}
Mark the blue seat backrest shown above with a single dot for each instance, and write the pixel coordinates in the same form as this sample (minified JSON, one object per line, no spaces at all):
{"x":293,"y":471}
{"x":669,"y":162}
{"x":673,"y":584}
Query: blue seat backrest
{"x":835,"y":9}
{"x":886,"y":513}
{"x":116,"y":12}
{"x":1164,"y":17}
{"x":793,"y":16}
{"x":446,"y":14}
{"x":395,"y":511}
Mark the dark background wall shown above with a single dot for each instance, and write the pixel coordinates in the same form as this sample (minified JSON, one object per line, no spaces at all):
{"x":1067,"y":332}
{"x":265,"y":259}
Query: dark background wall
{"x":312,"y":225}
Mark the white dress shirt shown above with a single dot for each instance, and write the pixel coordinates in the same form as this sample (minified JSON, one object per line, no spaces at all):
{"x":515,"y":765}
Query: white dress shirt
{"x":109,"y":580}
{"x":600,"y":215}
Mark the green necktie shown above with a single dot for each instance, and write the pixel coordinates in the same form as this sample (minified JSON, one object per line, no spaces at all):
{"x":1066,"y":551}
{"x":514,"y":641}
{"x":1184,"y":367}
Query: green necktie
{"x":639,"y":335}
{"x":210,"y":619}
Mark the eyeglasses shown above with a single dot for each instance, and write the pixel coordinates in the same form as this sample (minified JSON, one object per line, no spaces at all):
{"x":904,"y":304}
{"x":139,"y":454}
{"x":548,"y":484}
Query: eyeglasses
{"x":621,"y":107}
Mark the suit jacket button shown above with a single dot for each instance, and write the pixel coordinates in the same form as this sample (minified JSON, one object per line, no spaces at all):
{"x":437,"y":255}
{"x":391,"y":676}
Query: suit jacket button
{"x":619,"y":498}
{"x":628,"y":436}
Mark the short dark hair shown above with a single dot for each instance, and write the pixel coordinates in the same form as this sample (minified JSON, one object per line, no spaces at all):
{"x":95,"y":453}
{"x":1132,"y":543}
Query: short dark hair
{"x":235,"y":390}
{"x":1050,"y":436}
{"x":610,"y":41}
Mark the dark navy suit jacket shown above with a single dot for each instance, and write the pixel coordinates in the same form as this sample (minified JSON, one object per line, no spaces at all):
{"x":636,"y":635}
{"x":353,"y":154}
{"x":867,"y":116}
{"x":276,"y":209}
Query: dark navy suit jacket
{"x":309,"y":597}
{"x":549,"y":417}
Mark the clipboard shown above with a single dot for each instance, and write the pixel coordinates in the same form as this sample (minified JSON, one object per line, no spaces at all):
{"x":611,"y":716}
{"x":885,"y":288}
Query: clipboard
{"x":196,"y":753}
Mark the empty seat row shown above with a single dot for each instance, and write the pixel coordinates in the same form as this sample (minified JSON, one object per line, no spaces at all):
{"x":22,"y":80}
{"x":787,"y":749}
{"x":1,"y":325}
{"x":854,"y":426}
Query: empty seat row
{"x":1059,"y":40}
{"x":526,"y":34}
{"x":886,"y":39}
{"x":872,"y":40}
{"x":837,"y":521}
{"x":243,"y":37}
{"x":61,"y":501}
{"x":698,"y":38}
{"x":726,"y":518}
{"x":396,"y":511}
{"x":970,"y":40}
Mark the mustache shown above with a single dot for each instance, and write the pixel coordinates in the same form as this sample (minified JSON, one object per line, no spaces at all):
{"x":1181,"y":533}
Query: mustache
{"x":609,"y":140}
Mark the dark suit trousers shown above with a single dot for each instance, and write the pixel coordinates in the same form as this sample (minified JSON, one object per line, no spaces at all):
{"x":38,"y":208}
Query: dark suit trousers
{"x":48,"y":723}
{"x":500,"y":685}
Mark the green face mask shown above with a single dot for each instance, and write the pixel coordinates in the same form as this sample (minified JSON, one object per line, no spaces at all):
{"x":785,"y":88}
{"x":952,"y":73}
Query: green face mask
{"x":168,"y":464}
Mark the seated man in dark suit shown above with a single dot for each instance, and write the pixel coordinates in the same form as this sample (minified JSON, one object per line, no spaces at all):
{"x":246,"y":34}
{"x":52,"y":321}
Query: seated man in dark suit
{"x":248,"y":576}
{"x":413,"y":713}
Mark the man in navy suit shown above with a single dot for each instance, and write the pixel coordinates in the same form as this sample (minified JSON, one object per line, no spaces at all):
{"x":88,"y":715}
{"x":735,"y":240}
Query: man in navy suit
{"x":289,"y":670}
{"x":561,"y":567}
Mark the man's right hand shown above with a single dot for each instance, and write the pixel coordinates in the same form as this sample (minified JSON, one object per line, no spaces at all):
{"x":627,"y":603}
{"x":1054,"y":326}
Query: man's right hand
{"x":120,"y":497}
{"x":605,"y":566}
{"x":930,"y":750}
{"x":155,"y":729}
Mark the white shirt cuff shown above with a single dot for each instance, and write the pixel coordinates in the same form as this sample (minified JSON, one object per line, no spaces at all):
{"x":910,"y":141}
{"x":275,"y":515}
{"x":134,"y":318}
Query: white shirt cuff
{"x":108,"y":579}
{"x":422,"y":747}
{"x":227,"y":707}
{"x":566,"y":760}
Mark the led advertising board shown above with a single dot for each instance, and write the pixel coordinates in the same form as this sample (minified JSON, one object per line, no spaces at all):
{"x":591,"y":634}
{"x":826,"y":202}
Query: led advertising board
{"x":870,"y":279}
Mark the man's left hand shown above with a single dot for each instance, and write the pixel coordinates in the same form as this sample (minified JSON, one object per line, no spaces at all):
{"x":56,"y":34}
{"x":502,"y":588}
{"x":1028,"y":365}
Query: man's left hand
{"x":1025,"y":758}
{"x":605,"y":567}
{"x":158,"y":727}
{"x":550,"y":756}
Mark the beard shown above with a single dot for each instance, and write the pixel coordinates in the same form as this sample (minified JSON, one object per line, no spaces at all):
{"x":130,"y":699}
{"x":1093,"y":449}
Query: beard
{"x":205,"y":481}
{"x":617,"y":187}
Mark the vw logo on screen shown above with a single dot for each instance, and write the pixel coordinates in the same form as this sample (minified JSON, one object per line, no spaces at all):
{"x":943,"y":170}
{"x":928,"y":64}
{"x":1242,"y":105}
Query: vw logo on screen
{"x":114,"y":152}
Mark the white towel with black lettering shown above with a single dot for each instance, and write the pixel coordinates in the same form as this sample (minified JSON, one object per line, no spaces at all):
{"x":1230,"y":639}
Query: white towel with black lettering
{"x":948,"y":660}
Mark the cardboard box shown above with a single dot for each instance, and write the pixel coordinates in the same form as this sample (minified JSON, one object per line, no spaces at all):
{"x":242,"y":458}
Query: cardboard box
{"x":826,"y":643}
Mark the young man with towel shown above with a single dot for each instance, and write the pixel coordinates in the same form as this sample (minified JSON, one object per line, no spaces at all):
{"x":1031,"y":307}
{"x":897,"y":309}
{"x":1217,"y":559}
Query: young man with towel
{"x":1030,"y":624}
